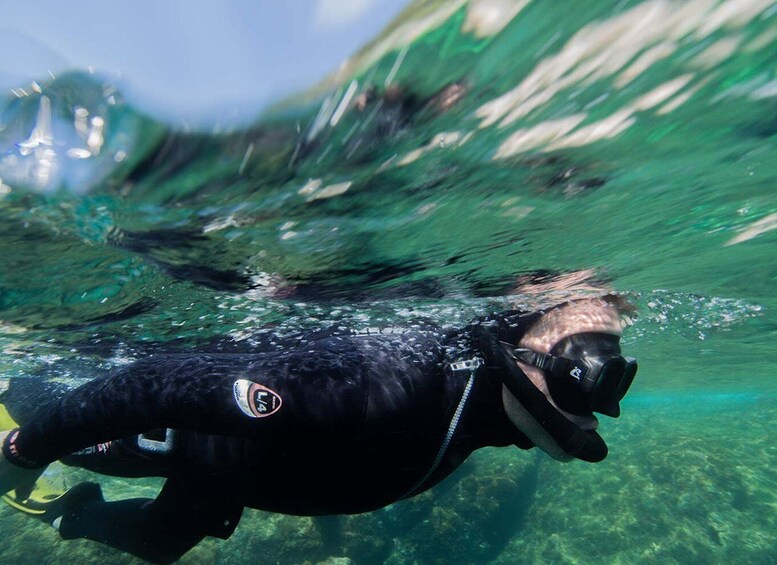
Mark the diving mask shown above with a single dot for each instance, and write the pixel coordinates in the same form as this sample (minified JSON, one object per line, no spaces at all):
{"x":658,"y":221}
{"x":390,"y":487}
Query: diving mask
{"x":586,"y":372}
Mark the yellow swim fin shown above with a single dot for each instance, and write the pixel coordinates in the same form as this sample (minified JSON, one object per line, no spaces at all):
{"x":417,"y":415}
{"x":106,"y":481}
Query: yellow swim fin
{"x":6,"y":422}
{"x":44,"y":494}
{"x":48,"y":499}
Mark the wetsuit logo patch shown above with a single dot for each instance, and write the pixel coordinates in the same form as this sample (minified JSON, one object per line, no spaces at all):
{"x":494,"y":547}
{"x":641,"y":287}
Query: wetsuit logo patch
{"x":255,"y":400}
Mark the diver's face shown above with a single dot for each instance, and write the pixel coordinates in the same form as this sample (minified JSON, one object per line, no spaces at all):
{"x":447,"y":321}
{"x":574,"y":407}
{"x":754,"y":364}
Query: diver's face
{"x":582,"y":316}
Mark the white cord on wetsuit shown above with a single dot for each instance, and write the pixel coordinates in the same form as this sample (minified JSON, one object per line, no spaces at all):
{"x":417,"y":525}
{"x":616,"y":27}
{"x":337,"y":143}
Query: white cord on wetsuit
{"x":471,"y":365}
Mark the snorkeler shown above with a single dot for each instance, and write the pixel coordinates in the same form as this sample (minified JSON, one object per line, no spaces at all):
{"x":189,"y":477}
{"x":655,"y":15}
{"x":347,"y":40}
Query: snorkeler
{"x":333,"y":423}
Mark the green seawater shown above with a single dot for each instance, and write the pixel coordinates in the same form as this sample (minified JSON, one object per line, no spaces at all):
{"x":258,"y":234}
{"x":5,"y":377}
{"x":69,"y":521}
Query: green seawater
{"x":636,"y":141}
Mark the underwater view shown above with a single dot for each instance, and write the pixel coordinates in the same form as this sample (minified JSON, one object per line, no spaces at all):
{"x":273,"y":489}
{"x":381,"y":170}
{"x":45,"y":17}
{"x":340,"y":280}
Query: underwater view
{"x":476,"y":156}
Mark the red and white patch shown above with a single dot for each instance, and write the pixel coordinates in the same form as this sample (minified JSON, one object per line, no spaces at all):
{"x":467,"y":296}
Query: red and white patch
{"x":255,"y":400}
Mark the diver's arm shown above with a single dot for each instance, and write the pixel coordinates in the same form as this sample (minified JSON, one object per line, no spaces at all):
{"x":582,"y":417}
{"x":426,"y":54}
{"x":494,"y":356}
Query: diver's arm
{"x":194,"y":393}
{"x":152,"y":393}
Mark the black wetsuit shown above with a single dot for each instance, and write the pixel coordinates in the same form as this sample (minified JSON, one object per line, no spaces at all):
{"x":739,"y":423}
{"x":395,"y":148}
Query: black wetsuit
{"x":338,"y":423}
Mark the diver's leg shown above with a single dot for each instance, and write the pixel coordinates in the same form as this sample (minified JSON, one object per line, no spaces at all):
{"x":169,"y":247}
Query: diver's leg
{"x":131,"y":526}
{"x":161,"y":530}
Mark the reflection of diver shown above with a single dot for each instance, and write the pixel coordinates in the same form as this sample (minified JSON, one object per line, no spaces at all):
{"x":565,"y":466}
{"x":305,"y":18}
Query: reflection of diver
{"x":340,"y":423}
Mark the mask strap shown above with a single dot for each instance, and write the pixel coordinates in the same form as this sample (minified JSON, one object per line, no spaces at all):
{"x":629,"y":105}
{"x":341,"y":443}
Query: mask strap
{"x":556,"y":366}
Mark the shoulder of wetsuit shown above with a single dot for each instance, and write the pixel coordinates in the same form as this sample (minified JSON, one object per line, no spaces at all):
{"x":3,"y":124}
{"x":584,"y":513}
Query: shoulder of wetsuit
{"x":579,"y":443}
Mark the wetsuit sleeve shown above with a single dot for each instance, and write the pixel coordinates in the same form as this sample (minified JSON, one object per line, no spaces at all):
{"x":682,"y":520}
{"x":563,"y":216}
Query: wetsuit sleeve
{"x":319,"y":393}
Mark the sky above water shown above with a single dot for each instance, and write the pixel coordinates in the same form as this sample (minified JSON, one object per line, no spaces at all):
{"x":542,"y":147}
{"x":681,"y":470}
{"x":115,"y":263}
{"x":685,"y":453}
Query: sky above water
{"x":194,"y":61}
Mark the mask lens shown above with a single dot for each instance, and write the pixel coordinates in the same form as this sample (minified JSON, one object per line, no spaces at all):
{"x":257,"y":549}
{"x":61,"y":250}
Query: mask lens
{"x":607,"y":384}
{"x":629,"y":373}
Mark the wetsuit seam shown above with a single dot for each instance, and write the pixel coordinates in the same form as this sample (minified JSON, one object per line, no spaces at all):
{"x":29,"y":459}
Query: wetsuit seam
{"x":450,"y":431}
{"x":454,"y":393}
